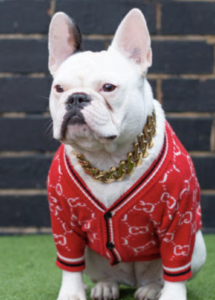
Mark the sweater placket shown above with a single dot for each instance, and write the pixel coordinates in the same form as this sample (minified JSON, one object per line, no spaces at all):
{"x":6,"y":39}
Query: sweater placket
{"x":110,"y":238}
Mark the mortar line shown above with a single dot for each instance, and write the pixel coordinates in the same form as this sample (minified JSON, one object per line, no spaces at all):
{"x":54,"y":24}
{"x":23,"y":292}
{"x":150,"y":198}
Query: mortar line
{"x":181,"y":76}
{"x":203,"y":1}
{"x":22,"y":192}
{"x":23,"y":114}
{"x":158,"y":16}
{"x":208,"y":192}
{"x":52,"y":8}
{"x":159,"y":90}
{"x":23,"y":75}
{"x":149,"y":75}
{"x":12,"y":115}
{"x":191,"y":114}
{"x":22,"y":36}
{"x":15,"y":154}
{"x":25,"y":230}
{"x":214,"y":61}
{"x":201,"y":154}
{"x":210,"y":38}
{"x":212,"y":137}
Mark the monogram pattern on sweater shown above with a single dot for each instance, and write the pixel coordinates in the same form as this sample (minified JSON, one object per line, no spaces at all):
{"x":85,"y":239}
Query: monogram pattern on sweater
{"x":159,"y":218}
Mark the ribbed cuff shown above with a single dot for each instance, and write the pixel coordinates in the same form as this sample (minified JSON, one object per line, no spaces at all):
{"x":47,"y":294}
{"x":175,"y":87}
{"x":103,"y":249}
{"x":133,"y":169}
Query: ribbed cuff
{"x":181,"y":273}
{"x":70,"y":267}
{"x":173,"y":277}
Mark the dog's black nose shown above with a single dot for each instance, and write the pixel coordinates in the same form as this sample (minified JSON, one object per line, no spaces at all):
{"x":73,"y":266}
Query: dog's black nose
{"x":78,"y":100}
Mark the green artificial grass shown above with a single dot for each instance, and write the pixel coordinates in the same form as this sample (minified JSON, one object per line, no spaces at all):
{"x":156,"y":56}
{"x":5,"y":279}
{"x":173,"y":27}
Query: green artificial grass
{"x":28,"y":271}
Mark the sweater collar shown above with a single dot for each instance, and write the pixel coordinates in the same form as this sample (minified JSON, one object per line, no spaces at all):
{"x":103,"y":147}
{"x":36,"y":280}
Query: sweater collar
{"x":145,"y":182}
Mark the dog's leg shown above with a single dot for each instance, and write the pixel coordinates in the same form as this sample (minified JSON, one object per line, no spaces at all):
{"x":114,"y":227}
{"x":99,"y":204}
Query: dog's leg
{"x":174,"y":290}
{"x":99,"y":270}
{"x":72,"y":287}
{"x":149,"y":279}
{"x":199,"y":254}
{"x":107,"y":277}
{"x":177,"y":290}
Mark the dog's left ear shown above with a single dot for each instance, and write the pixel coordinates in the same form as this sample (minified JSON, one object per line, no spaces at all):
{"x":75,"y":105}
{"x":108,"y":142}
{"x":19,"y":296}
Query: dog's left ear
{"x":64,"y":39}
{"x":132,"y":39}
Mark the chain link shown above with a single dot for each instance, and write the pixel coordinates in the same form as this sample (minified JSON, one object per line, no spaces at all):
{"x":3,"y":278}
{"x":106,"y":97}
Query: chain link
{"x":134,"y":158}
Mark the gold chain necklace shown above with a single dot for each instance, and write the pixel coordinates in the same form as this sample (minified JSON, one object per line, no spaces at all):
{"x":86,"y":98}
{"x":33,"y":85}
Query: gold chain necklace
{"x":134,"y":158}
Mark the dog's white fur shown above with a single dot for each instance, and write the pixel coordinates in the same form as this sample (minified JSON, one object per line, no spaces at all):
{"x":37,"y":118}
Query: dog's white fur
{"x":121,"y":113}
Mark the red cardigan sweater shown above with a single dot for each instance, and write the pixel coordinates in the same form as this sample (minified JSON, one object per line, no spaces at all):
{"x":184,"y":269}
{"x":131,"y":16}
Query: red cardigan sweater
{"x":156,"y":218}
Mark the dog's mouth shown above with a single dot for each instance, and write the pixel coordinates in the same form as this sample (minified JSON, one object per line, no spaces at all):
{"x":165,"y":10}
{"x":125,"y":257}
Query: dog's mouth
{"x":77,"y":118}
{"x":71,"y":118}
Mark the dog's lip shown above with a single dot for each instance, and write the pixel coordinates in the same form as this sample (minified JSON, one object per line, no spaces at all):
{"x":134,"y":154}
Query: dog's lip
{"x":107,"y":138}
{"x":111,"y":137}
{"x":77,"y":118}
{"x":71,"y":118}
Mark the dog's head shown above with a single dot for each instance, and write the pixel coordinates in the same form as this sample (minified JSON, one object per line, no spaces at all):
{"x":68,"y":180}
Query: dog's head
{"x":99,"y":100}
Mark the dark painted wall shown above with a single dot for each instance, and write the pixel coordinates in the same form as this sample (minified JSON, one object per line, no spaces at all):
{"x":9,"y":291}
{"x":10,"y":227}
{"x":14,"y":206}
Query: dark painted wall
{"x":182,"y":76}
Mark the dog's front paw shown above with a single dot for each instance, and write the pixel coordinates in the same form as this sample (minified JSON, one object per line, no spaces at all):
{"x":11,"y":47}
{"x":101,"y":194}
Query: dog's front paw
{"x":105,"y":290}
{"x":172,"y":297}
{"x":174,"y":291}
{"x":67,"y":294}
{"x":71,"y":296}
{"x":148,"y":292}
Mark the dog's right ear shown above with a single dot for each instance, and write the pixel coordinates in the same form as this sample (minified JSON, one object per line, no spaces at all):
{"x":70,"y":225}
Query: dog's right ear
{"x":64,"y":39}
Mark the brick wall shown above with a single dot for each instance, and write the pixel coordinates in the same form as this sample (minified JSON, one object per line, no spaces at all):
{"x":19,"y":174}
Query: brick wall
{"x":182,"y":76}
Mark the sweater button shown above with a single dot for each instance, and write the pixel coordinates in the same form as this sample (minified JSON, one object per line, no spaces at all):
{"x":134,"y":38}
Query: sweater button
{"x":108,"y":215}
{"x":110,"y":245}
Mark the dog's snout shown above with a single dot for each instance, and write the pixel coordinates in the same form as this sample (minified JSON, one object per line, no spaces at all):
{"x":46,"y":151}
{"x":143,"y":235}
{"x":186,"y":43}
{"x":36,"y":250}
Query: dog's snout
{"x":78,"y":100}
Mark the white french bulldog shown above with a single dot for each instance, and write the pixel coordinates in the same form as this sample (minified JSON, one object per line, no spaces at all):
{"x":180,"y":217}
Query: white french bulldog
{"x":99,"y":104}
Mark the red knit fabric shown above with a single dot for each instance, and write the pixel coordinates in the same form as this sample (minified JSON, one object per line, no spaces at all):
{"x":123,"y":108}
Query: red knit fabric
{"x":156,"y":218}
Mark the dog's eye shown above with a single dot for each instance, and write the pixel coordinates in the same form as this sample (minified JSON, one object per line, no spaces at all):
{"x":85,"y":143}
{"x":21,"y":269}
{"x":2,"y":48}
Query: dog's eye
{"x":108,"y":87}
{"x":59,"y":89}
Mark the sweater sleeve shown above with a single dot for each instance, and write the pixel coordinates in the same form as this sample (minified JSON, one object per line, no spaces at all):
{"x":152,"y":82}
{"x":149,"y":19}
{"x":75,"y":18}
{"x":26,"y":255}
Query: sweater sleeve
{"x":68,"y":237}
{"x":177,"y":236}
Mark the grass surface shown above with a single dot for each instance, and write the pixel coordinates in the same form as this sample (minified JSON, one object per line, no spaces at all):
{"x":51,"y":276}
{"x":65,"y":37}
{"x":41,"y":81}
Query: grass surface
{"x":28,"y":271}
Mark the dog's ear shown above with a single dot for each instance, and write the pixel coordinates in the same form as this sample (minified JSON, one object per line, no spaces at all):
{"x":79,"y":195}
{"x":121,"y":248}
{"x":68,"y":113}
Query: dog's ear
{"x":132,"y":39}
{"x":64,"y":39}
